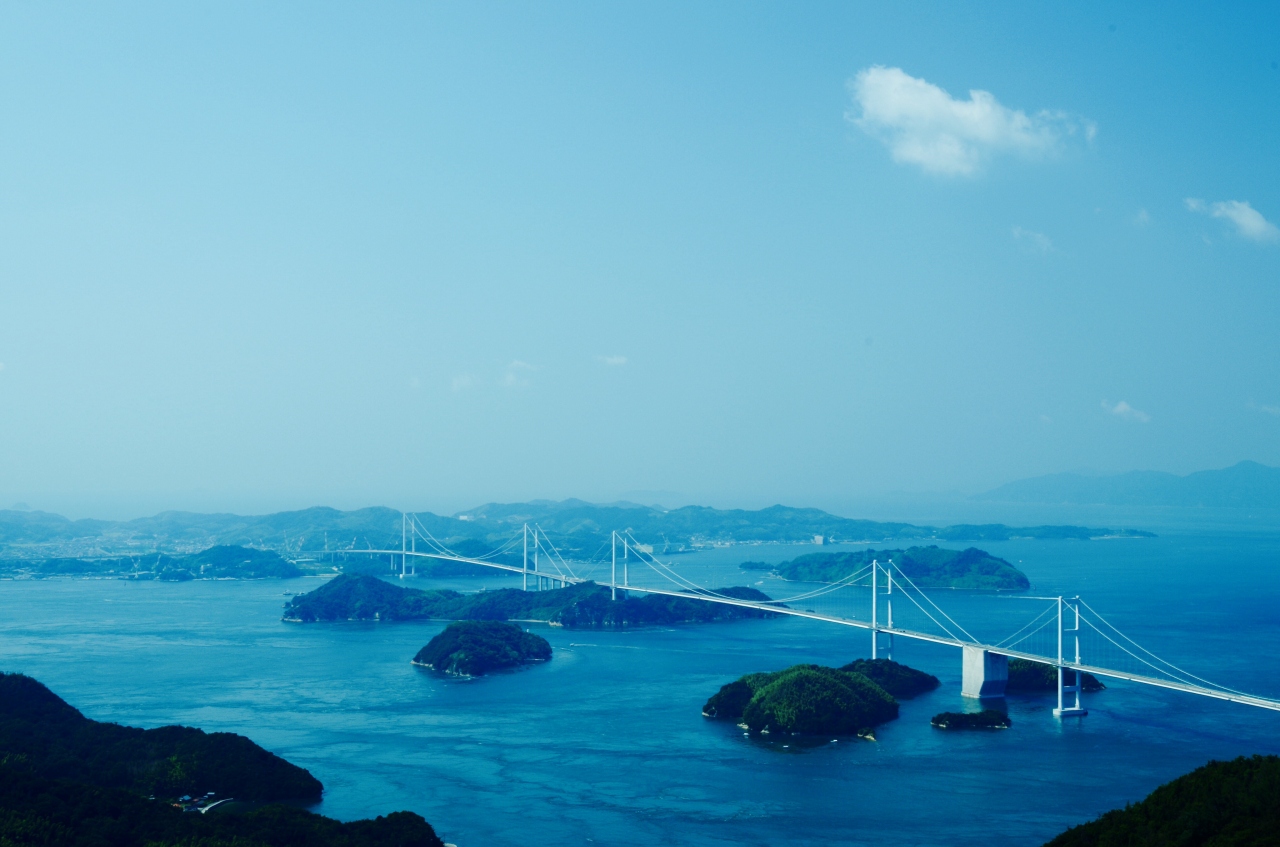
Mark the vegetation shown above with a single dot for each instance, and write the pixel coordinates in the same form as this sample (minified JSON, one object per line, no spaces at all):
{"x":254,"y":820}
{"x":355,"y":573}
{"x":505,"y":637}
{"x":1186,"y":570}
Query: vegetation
{"x":474,"y":648}
{"x":1028,"y":676}
{"x":986,"y":719}
{"x":68,"y":780}
{"x":40,"y":812}
{"x":927,"y":567}
{"x":804,"y":699}
{"x":584,"y":606}
{"x":52,"y":739}
{"x":1223,"y":804}
{"x":899,"y":680}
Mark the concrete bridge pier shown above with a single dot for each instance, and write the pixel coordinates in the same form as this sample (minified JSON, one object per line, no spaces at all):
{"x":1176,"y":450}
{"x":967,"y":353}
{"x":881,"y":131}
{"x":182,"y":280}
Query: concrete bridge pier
{"x":985,"y":673}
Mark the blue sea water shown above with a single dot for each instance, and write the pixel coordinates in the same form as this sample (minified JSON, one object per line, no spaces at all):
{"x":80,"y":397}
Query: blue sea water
{"x":606,"y":745}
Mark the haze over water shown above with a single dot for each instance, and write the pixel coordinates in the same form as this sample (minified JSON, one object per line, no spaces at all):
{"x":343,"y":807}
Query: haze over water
{"x":606,"y":743}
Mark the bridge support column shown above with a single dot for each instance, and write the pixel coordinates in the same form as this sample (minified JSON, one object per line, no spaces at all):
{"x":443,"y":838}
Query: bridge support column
{"x":985,"y":673}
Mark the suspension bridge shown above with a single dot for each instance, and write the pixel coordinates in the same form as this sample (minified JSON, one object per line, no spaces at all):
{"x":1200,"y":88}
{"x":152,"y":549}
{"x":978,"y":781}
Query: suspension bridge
{"x":1066,"y":632}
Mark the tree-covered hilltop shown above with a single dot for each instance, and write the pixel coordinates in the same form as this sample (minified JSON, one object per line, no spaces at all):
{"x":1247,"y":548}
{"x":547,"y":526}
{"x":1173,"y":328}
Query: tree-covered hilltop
{"x":899,"y":680}
{"x":986,"y":719}
{"x":1027,"y":676}
{"x":928,"y":567}
{"x":804,"y":699}
{"x":69,"y":780}
{"x":475,"y":648}
{"x":583,"y":606}
{"x":1222,"y":804}
{"x":46,"y":735}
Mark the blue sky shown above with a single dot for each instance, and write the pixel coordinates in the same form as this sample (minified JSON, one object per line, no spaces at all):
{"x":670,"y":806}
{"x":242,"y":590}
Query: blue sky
{"x":429,"y":255}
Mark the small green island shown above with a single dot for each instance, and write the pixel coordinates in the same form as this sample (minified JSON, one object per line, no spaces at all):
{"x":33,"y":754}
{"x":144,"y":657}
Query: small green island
{"x":1027,"y":677}
{"x":1219,"y":804}
{"x":475,"y":648}
{"x":68,"y":779}
{"x":986,"y":719}
{"x":927,"y":567}
{"x":582,"y":606}
{"x":809,"y":700}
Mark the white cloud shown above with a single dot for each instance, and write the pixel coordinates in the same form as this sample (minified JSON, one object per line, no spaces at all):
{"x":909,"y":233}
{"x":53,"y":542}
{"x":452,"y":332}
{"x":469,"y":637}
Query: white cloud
{"x":1142,"y":218}
{"x":613,"y":361}
{"x":514,"y":378}
{"x":1274,"y":411}
{"x":923,"y":125}
{"x":1127,"y":412}
{"x":1037,"y":241}
{"x":461,"y":382}
{"x":1248,"y":221}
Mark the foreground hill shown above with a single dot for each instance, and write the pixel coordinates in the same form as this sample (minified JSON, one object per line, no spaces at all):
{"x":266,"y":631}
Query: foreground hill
{"x":69,"y":780}
{"x":928,"y":567}
{"x":52,"y":739}
{"x":585,"y":606}
{"x":1223,"y":804}
{"x":1246,"y":485}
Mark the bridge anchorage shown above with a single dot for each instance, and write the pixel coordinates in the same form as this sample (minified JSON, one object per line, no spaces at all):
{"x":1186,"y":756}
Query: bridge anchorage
{"x":1064,"y":632}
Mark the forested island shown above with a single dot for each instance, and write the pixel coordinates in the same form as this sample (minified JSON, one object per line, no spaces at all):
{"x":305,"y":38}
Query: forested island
{"x":815,"y":700}
{"x":985,"y":719}
{"x":67,"y":779}
{"x":582,"y":606}
{"x":475,"y":648}
{"x":1223,"y":804}
{"x":927,"y":567}
{"x":1028,"y":676}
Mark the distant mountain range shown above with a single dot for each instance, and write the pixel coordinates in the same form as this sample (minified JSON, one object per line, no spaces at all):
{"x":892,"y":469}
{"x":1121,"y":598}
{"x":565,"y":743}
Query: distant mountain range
{"x":578,"y":528}
{"x":1246,"y":485}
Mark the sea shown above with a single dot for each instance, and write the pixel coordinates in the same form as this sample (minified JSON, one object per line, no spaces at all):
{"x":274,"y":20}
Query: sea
{"x":606,"y":744}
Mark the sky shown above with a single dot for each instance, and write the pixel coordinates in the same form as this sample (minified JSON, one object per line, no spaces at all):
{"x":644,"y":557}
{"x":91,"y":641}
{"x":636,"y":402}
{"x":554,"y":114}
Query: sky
{"x":428,"y":255}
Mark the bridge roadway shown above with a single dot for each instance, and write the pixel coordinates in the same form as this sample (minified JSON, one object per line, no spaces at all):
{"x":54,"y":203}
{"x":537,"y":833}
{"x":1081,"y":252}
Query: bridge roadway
{"x":1244,"y":699}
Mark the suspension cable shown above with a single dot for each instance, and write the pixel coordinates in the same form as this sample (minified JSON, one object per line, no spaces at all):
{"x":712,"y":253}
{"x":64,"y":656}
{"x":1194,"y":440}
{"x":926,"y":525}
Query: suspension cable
{"x":1009,"y":641}
{"x":931,"y":603}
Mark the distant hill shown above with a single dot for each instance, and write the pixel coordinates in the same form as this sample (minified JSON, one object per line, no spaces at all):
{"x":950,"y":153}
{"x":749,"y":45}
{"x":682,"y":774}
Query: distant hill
{"x":577,"y":528}
{"x":1246,"y":485}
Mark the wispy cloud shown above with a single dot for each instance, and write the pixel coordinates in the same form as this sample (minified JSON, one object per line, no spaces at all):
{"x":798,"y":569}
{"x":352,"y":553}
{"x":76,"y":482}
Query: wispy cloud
{"x":613,"y":361}
{"x":461,"y":382}
{"x":1272,"y":410}
{"x":1142,"y":218}
{"x":923,"y":125}
{"x":1127,"y":412}
{"x":1248,"y":221}
{"x":515,"y":377}
{"x":1038,"y":242}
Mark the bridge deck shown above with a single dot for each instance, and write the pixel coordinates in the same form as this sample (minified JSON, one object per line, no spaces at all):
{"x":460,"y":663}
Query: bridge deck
{"x":777,"y":608}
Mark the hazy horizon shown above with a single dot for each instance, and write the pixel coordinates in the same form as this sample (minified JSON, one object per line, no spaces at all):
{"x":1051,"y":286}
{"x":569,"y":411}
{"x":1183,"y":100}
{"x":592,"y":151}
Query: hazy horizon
{"x":261,"y":258}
